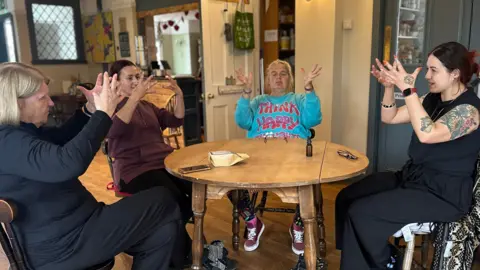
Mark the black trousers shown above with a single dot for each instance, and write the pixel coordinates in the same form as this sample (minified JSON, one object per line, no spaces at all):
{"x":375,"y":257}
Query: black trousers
{"x":368,"y":212}
{"x":145,"y":225}
{"x":179,"y":188}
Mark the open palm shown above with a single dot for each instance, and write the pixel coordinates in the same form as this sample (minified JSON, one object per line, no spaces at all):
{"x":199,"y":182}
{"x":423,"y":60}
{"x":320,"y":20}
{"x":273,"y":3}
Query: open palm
{"x":245,"y":80}
{"x":308,"y":78}
{"x":97,"y":89}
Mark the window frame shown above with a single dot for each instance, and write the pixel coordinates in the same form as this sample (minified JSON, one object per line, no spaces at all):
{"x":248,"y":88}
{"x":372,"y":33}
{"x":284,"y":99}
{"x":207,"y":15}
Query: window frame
{"x":77,"y":20}
{"x":3,"y":17}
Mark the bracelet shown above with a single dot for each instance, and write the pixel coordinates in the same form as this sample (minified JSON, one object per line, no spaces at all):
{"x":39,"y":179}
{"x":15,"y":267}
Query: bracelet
{"x":388,"y":106}
{"x":85,"y":110}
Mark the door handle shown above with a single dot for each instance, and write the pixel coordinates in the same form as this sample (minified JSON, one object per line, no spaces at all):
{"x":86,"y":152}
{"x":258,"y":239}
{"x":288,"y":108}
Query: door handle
{"x":210,"y":95}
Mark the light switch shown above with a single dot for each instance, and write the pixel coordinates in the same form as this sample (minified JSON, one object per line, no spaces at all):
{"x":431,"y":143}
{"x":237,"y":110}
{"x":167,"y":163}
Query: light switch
{"x":347,"y":24}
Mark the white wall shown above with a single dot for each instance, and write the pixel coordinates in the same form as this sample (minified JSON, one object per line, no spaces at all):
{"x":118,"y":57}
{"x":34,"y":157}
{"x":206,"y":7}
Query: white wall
{"x":314,"y":44}
{"x":343,"y":86}
{"x":120,"y":9}
{"x":351,"y":108}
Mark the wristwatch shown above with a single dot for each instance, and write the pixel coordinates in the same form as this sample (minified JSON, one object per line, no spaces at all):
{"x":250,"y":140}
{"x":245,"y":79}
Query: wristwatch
{"x":407,"y":92}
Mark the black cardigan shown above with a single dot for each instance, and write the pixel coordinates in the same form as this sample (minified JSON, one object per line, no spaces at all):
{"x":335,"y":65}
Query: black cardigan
{"x":39,"y":170}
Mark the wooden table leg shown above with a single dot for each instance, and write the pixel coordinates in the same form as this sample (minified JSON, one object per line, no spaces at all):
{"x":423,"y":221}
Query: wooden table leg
{"x":307,"y":212}
{"x":236,"y":220}
{"x":198,"y":206}
{"x":322,"y":245}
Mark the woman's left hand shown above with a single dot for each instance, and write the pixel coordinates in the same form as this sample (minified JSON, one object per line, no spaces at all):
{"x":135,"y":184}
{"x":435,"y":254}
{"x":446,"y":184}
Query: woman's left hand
{"x":172,"y":85}
{"x":398,"y":75}
{"x":308,"y":78}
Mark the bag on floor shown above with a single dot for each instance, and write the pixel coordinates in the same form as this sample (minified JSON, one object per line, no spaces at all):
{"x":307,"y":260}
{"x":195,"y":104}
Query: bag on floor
{"x":215,"y":257}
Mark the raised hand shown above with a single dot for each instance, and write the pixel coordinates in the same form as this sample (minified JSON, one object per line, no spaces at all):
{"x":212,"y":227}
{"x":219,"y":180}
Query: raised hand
{"x":109,"y":97}
{"x":397,"y":74}
{"x":172,"y":85}
{"x":308,"y":78}
{"x":89,"y":93}
{"x":245,"y":80}
{"x":143,"y":88}
{"x":381,"y":77}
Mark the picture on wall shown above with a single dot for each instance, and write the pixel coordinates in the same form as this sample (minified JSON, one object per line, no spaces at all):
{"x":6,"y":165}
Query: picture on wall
{"x":99,"y":38}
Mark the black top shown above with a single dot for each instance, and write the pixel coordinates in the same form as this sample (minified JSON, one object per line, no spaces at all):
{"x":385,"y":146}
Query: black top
{"x":39,"y":170}
{"x":446,"y":169}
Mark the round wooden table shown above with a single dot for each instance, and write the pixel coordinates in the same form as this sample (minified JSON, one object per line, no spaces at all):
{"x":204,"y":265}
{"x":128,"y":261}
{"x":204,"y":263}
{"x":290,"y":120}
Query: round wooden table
{"x":277,"y":165}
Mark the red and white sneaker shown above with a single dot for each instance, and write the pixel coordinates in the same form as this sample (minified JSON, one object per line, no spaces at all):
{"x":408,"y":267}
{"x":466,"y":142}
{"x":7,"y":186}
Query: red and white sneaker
{"x":298,"y":245}
{"x":255,"y":229}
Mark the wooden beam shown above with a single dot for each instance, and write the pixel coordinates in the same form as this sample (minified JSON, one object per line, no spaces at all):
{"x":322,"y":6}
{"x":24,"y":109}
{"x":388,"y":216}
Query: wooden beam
{"x":173,"y":9}
{"x":236,"y":1}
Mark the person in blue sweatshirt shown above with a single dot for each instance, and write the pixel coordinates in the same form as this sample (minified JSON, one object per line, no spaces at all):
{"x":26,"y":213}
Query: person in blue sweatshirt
{"x":279,"y":114}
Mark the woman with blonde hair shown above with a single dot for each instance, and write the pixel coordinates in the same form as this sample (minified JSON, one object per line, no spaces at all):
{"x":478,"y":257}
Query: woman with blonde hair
{"x":59,"y":224}
{"x":280,"y":114}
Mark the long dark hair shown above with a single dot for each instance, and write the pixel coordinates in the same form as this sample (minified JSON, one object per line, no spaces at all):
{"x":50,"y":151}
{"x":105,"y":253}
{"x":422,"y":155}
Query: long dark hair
{"x":454,"y":55}
{"x":117,"y":66}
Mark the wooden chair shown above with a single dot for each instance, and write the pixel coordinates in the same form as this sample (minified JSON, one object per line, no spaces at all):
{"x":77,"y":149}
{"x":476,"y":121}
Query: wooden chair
{"x":455,"y":250}
{"x":10,"y":244}
{"x":409,"y":233}
{"x":165,"y":98}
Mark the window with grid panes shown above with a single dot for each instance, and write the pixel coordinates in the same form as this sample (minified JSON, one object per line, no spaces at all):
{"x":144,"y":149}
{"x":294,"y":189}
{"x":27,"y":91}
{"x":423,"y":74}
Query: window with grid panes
{"x":55,"y":31}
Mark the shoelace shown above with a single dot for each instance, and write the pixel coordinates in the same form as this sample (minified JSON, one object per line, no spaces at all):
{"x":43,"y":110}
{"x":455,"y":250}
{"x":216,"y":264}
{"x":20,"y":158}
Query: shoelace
{"x":298,"y":236}
{"x":252,"y":233}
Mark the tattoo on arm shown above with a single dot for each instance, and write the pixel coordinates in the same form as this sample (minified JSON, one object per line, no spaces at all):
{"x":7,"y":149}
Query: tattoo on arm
{"x":426,"y":124}
{"x":460,"y":120}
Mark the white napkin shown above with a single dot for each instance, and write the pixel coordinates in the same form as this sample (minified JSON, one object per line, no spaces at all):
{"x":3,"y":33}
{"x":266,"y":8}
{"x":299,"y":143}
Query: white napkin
{"x":226,"y":158}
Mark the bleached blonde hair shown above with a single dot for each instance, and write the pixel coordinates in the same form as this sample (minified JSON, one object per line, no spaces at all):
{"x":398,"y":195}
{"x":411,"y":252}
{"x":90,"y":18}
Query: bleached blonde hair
{"x":290,"y":86}
{"x":17,"y":81}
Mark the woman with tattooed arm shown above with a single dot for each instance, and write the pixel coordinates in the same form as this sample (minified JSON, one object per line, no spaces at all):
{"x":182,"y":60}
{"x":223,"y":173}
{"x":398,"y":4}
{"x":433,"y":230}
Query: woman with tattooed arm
{"x":436,"y":184}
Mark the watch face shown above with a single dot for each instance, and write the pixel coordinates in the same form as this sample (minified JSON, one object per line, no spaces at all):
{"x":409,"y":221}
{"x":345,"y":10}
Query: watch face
{"x":407,"y":92}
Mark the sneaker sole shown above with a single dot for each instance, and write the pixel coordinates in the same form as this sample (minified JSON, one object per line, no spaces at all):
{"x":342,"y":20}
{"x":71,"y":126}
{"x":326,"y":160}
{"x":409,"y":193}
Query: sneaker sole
{"x":296,"y":251}
{"x":252,"y":248}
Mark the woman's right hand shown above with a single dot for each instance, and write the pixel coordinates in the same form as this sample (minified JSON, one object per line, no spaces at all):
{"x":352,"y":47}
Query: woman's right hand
{"x":108,"y":99}
{"x":382,"y":78}
{"x":143,"y":88}
{"x":247,"y":81}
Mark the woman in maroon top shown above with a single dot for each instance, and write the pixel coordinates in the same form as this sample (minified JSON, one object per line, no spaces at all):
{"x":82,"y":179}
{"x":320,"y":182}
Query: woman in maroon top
{"x":135,"y":138}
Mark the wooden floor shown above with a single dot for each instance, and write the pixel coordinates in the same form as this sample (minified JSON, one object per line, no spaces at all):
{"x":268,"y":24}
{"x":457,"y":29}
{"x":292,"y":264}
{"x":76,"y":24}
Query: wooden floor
{"x":274,"y":251}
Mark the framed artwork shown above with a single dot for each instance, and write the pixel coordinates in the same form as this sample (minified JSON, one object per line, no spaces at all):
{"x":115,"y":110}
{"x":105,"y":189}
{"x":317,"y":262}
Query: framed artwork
{"x":99,"y":38}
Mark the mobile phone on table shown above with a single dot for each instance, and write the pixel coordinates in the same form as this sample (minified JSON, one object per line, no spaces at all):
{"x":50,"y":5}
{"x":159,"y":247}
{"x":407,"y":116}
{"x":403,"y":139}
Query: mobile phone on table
{"x":197,"y":168}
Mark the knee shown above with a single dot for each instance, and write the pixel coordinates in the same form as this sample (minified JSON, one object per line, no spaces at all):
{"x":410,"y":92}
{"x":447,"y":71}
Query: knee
{"x":357,"y":211}
{"x":167,"y":234}
{"x":161,"y":201}
{"x":342,"y":198}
